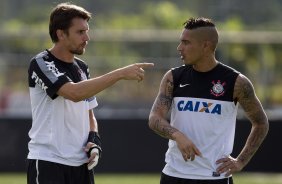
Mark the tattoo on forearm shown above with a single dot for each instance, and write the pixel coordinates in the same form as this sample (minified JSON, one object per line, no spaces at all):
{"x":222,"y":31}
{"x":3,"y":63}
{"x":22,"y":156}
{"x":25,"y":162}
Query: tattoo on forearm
{"x":164,"y":130}
{"x":254,"y":141}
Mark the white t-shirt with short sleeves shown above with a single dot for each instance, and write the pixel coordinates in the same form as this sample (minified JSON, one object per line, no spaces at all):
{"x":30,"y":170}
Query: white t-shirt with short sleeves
{"x":60,"y":127}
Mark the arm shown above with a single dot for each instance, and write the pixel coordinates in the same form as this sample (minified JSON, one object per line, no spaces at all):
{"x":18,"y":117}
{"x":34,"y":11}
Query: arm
{"x":244,"y":93}
{"x":93,"y":122}
{"x":93,"y":146}
{"x":88,"y":88}
{"x":159,"y":123}
{"x":157,"y":119}
{"x":255,"y":113}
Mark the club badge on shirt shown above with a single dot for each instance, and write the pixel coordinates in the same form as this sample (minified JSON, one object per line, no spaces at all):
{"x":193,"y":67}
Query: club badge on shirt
{"x":218,"y":88}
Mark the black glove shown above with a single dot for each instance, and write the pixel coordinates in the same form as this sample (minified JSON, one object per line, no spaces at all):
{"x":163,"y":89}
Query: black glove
{"x":94,"y":138}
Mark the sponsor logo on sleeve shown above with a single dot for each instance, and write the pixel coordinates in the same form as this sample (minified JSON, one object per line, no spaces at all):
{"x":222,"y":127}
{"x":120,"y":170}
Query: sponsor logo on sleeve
{"x":39,"y":81}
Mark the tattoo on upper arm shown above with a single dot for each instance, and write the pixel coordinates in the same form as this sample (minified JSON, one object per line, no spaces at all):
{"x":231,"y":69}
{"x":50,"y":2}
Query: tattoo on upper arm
{"x":249,"y":101}
{"x":161,"y":106}
{"x":164,"y":99}
{"x":247,"y":93}
{"x":169,"y":88}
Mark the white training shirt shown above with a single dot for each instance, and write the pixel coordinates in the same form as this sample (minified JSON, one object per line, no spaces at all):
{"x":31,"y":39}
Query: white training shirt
{"x":60,"y":127}
{"x":204,"y":110}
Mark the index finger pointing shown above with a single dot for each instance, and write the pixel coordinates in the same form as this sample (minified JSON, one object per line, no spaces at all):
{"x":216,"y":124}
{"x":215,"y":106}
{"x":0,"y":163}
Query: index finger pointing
{"x":145,"y":65}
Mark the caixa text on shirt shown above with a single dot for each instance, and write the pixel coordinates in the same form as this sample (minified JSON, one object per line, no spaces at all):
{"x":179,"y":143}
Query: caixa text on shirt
{"x":198,"y":106}
{"x":38,"y":81}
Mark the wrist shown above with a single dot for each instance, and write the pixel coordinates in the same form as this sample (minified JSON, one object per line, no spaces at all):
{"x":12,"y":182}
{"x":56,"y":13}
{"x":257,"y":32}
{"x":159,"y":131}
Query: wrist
{"x":176,"y":135}
{"x":118,"y":74}
{"x":94,"y":137}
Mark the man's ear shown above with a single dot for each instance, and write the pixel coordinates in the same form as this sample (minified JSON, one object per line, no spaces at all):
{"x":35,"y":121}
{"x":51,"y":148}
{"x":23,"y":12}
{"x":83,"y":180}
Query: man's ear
{"x":60,"y":34}
{"x":208,"y":45}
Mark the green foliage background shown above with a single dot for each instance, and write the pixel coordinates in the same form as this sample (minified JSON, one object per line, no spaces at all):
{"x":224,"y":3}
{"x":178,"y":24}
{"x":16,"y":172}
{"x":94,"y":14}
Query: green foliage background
{"x":24,"y":32}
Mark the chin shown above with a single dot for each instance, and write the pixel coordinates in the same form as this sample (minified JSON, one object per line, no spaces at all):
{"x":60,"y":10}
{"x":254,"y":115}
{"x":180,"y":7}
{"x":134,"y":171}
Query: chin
{"x":183,"y":61}
{"x":190,"y":62}
{"x":186,"y":62}
{"x":78,"y":52}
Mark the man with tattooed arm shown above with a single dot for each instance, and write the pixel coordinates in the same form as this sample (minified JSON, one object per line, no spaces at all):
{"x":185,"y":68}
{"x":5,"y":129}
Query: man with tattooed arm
{"x":203,"y":96}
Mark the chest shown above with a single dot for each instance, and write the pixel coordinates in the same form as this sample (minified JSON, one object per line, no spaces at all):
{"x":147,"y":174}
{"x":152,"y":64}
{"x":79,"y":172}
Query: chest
{"x":73,"y":71}
{"x":216,"y":87}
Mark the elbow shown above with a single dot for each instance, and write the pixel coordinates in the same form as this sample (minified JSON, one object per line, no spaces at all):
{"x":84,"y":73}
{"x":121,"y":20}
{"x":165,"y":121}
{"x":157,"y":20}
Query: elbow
{"x":72,"y":91}
{"x":76,"y":99}
{"x":74,"y":95}
{"x":267,"y":126}
{"x":151,"y":122}
{"x":262,"y":128}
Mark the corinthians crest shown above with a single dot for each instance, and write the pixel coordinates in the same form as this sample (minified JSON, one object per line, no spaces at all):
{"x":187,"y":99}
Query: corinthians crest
{"x":218,"y":88}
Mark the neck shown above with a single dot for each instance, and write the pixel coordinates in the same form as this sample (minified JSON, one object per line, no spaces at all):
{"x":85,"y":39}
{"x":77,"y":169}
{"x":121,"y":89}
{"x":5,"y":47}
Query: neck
{"x":205,"y":65}
{"x":62,"y":54}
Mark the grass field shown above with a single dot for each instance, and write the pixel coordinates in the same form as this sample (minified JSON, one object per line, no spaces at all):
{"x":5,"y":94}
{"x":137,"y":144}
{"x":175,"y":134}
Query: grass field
{"x":242,"y":178}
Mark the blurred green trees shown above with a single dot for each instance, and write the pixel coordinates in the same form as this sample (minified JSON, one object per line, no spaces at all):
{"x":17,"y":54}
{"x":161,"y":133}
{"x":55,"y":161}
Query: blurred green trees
{"x":128,"y":31}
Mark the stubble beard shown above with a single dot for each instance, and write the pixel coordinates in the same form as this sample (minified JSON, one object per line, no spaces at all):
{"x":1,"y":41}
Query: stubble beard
{"x":78,"y":51}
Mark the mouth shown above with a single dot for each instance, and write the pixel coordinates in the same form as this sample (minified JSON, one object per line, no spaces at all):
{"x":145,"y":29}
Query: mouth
{"x":84,"y":45}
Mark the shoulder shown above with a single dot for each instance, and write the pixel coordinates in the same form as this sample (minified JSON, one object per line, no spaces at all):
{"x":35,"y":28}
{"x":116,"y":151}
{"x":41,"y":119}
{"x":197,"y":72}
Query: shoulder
{"x":168,"y":76}
{"x":243,"y":88}
{"x":81,"y":63}
{"x":243,"y":81}
{"x":229,"y":69}
{"x":177,"y":72}
{"x":44,"y":55}
{"x":38,"y":61}
{"x":180,"y":68}
{"x":167,"y":80}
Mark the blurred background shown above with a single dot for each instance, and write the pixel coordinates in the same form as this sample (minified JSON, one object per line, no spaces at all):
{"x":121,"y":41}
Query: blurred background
{"x":128,"y":31}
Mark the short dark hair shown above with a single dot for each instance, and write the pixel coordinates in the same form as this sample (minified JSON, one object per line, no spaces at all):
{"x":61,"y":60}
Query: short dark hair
{"x":194,"y":23}
{"x":61,"y":18}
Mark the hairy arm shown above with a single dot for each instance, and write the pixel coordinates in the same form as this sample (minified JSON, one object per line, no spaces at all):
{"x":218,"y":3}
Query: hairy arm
{"x":245,"y":94}
{"x":157,"y":119}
